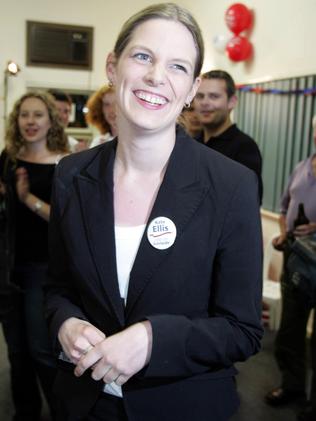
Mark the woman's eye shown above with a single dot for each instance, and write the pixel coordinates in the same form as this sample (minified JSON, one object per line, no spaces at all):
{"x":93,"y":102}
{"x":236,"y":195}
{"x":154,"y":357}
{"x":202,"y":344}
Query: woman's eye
{"x":143,"y":57}
{"x":179,"y":67}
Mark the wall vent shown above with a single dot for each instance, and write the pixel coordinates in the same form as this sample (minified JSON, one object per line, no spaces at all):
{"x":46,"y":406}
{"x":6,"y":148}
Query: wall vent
{"x":56,"y":45}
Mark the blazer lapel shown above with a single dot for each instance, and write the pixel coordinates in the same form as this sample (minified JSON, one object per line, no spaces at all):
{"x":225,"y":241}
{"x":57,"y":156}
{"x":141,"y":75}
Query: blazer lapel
{"x":95,"y":187}
{"x":180,"y":194}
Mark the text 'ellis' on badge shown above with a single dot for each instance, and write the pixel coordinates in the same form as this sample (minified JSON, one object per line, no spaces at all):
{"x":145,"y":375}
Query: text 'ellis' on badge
{"x":161,"y":233}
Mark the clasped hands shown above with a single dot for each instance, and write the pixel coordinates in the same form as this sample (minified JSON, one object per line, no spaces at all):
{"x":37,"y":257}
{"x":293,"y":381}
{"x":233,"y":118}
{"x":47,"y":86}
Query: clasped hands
{"x":114,"y":358}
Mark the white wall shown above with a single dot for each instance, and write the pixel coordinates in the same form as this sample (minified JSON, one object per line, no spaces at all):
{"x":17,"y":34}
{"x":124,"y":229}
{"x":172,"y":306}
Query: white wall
{"x":106,"y":16}
{"x":283,"y":37}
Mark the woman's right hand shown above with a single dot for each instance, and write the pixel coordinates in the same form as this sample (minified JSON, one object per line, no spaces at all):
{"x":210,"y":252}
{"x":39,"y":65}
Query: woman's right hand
{"x":77,"y":336}
{"x":22,"y":184}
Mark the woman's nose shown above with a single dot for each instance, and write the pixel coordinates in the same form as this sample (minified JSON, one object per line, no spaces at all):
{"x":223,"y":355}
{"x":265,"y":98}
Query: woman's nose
{"x":155,"y":75}
{"x":30,"y":119}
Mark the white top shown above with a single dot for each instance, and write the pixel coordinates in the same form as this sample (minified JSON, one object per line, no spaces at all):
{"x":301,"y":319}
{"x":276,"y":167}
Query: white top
{"x":102,"y":138}
{"x":72,"y":143}
{"x":127,"y":241}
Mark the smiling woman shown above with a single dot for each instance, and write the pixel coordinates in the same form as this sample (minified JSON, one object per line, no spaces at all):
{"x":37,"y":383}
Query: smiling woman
{"x":155,"y":78}
{"x":154,"y":285}
{"x":35,"y":141}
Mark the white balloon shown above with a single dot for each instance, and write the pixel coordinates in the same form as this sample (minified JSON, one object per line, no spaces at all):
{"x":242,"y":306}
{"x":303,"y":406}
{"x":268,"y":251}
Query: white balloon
{"x":220,"y":41}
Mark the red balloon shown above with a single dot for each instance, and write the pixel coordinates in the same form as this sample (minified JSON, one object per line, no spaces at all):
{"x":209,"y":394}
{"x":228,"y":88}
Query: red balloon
{"x":239,"y":48}
{"x":238,"y":18}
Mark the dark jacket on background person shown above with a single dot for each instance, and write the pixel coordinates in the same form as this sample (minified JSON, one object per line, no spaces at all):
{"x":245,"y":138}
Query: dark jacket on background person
{"x":7,"y":234}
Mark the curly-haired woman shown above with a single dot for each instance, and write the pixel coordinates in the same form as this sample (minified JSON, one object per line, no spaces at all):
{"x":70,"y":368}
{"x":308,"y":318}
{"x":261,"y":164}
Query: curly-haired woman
{"x":35,"y":141}
{"x":102,"y":114}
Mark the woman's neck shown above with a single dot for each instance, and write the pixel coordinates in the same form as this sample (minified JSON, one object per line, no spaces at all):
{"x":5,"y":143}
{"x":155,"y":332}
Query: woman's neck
{"x":113,"y":131}
{"x":37,"y":153}
{"x":144,"y":152}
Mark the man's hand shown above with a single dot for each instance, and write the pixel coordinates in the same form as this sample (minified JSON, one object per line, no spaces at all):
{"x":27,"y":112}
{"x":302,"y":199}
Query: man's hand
{"x":277,"y":241}
{"x":305,"y":229}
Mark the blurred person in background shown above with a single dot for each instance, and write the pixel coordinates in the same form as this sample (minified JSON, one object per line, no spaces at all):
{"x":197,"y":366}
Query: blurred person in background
{"x":63,"y":104}
{"x":214,"y":101}
{"x":190,"y":121}
{"x":290,"y":343}
{"x":34,"y":143}
{"x":102,"y":114}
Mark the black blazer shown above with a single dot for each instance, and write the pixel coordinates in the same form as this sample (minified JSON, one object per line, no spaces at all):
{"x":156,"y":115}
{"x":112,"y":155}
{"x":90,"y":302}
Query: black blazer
{"x":202,"y":295}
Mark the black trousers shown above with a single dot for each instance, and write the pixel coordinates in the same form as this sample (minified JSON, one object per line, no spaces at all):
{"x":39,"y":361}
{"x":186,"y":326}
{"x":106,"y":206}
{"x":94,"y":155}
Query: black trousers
{"x":29,"y":350}
{"x":290,"y":345}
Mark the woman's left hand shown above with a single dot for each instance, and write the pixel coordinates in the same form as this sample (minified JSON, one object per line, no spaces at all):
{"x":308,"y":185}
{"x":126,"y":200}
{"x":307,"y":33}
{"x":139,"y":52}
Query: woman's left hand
{"x":22,"y":184}
{"x":120,"y":356}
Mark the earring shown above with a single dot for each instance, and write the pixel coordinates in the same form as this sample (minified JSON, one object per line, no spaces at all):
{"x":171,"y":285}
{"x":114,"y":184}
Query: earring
{"x":187,"y":104}
{"x":110,"y":83}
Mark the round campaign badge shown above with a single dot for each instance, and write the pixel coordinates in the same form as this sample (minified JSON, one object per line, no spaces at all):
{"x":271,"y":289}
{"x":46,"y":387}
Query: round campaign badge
{"x":161,"y":233}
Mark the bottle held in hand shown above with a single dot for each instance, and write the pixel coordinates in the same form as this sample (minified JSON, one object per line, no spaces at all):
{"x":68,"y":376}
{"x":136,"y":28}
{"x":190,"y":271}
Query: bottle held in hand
{"x":301,"y":219}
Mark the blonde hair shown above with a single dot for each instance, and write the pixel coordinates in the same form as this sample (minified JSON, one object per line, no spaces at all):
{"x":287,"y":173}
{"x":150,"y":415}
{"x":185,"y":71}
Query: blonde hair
{"x":56,"y":138}
{"x":95,"y":114}
{"x":167,"y":11}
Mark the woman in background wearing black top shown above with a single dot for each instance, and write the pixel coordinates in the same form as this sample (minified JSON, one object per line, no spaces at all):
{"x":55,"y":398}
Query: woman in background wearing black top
{"x":35,"y":141}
